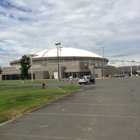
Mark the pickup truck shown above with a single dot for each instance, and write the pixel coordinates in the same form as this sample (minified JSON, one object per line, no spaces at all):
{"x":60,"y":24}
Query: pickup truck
{"x":87,"y":80}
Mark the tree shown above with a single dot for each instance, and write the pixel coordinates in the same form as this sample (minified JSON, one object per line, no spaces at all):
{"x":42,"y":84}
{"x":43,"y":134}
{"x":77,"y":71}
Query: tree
{"x":0,"y":70}
{"x":25,"y":66}
{"x":134,"y":72}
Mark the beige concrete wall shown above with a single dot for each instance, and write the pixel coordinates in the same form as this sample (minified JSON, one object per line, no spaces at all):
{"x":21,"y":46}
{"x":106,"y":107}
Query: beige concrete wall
{"x":75,"y":65}
{"x":99,"y":72}
{"x":112,"y":71}
{"x":41,"y":75}
{"x":108,"y":71}
{"x":47,"y":70}
{"x":91,"y":69}
{"x":10,"y":70}
{"x":52,"y":69}
{"x":62,"y":71}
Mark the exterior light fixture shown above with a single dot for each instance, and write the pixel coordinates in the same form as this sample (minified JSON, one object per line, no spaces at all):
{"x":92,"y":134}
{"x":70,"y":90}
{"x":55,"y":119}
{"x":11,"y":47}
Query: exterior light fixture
{"x":58,"y":47}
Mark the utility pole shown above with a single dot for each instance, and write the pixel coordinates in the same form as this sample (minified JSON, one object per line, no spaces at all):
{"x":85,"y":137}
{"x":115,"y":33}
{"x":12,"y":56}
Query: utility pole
{"x":131,"y":65}
{"x":58,"y":44}
{"x":122,"y":64}
{"x":103,"y":64}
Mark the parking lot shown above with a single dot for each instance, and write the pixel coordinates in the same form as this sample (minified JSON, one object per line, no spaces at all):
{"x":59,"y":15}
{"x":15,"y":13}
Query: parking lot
{"x":107,"y":110}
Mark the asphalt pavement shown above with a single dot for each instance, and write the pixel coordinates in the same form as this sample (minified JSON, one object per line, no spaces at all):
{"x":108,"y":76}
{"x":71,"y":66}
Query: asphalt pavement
{"x":107,"y":110}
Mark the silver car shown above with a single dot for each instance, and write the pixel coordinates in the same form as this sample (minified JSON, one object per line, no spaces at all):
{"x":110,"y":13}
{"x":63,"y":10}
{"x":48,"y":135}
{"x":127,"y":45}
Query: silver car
{"x":86,"y":80}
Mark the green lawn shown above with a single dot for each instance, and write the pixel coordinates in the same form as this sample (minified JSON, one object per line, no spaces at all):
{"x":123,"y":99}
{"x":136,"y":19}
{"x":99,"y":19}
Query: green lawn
{"x":5,"y":87}
{"x":17,"y":100}
{"x":3,"y":82}
{"x":27,"y":81}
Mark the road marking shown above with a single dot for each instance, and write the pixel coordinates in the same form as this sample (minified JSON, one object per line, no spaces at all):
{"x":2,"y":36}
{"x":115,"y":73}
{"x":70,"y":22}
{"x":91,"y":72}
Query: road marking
{"x":86,"y":128}
{"x":86,"y":115}
{"x":43,"y":126}
{"x":80,"y":89}
{"x":97,"y":104}
{"x":44,"y":137}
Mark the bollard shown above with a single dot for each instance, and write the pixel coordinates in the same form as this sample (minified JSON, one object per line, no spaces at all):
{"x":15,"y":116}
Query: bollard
{"x":43,"y":85}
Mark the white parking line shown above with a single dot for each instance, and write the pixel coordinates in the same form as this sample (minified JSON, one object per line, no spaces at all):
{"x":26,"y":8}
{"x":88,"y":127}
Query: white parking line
{"x":87,"y":115}
{"x":86,"y":128}
{"x":44,"y":137}
{"x":43,"y":126}
{"x":97,"y":104}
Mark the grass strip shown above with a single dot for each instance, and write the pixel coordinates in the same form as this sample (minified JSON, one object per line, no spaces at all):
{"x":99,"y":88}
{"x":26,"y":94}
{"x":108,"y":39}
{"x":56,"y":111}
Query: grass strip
{"x":15,"y":102}
{"x":5,"y":87}
{"x":26,"y":82}
{"x":29,"y":81}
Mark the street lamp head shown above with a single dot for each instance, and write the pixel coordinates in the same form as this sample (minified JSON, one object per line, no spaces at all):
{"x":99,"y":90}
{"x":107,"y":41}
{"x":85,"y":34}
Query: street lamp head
{"x":58,"y":43}
{"x":32,"y":55}
{"x":131,"y":61}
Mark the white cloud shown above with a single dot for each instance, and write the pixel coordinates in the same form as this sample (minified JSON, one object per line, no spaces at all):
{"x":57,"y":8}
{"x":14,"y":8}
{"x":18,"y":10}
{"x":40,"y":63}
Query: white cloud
{"x":26,"y":26}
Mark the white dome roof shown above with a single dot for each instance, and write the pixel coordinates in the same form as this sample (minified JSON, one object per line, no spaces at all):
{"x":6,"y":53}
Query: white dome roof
{"x":64,"y":52}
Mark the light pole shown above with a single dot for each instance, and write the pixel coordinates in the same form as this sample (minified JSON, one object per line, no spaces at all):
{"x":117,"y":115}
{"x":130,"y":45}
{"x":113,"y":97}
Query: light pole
{"x":122,"y":65}
{"x":60,"y":65}
{"x":31,"y":56}
{"x":131,"y":65}
{"x":58,"y":44}
{"x":103,"y":64}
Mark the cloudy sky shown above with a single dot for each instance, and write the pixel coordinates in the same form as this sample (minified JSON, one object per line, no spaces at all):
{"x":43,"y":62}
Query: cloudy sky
{"x":30,"y":25}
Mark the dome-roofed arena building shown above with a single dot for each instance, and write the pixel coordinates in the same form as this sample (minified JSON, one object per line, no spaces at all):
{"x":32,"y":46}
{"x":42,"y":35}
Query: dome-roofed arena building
{"x":62,"y":62}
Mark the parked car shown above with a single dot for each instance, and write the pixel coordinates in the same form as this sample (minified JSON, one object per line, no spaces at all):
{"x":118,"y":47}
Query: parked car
{"x":126,"y":75}
{"x":115,"y":75}
{"x":87,"y":80}
{"x":95,"y":75}
{"x":118,"y":75}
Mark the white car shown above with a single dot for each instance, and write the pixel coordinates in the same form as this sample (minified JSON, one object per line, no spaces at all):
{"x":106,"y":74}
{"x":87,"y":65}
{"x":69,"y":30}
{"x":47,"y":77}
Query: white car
{"x":87,"y":80}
